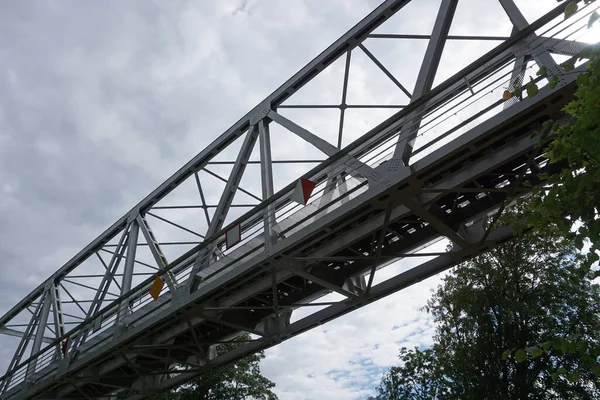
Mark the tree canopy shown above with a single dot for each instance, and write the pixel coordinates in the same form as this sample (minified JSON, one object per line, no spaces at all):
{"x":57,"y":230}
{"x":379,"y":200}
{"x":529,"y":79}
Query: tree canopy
{"x":531,"y":290}
{"x":241,"y":380}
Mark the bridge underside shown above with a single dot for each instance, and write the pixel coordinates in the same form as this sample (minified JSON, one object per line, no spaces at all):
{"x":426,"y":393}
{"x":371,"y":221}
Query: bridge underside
{"x":381,"y":200}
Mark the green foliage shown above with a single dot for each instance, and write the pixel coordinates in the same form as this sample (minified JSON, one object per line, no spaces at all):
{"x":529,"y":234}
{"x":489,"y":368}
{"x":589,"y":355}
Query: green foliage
{"x":570,"y":192}
{"x":531,"y":290}
{"x":241,"y":380}
{"x":571,"y":9}
{"x":419,"y":377}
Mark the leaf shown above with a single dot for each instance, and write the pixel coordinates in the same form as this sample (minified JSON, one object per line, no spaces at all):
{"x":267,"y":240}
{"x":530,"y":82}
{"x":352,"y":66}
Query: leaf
{"x":532,"y":89}
{"x":507,"y":95}
{"x":582,"y":80}
{"x":542,"y":71}
{"x":561,"y":371}
{"x":571,"y":9}
{"x":520,"y":355}
{"x":518,"y":93}
{"x":536,"y":352}
{"x":593,"y":18}
{"x":547,"y":346}
{"x":568,"y":65}
{"x":506,"y":354}
{"x":574,"y":377}
{"x":553,"y":81}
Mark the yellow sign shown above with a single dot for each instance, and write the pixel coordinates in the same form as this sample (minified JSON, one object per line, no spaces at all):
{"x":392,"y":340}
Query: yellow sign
{"x":156,"y":288}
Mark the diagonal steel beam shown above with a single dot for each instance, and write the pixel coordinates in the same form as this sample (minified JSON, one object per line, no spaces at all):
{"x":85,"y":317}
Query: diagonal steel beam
{"x":435,"y":222}
{"x":429,"y":67}
{"x":10,"y":371}
{"x":384,"y":70}
{"x":323,"y":145}
{"x":319,"y":281}
{"x":386,"y":222}
{"x":230,"y":324}
{"x":19,"y":334}
{"x":542,"y":58}
{"x":225,"y":202}
{"x":156,"y":251}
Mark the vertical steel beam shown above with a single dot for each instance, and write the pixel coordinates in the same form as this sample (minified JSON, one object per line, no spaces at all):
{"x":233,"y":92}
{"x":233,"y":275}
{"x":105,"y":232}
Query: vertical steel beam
{"x":129,"y":265}
{"x":266,"y":170}
{"x":517,"y":75}
{"x":343,"y":104}
{"x":429,"y":67}
{"x":225,"y":202}
{"x":39,"y":333}
{"x":59,"y":322}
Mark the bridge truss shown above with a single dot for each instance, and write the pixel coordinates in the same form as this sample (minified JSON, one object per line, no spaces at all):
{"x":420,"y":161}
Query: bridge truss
{"x":441,"y":165}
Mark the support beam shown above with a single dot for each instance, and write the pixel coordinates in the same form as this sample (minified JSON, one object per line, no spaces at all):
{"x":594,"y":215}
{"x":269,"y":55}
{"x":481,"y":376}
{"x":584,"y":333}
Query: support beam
{"x":319,"y":281}
{"x":435,"y":222}
{"x":266,"y":169}
{"x":10,"y":371}
{"x":128,"y":272}
{"x":429,"y":67}
{"x":384,"y":70}
{"x":204,"y":256}
{"x":542,"y":57}
{"x":59,"y":320}
{"x":39,"y":332}
{"x":354,"y":166}
{"x":19,"y":334}
{"x":157,"y":253}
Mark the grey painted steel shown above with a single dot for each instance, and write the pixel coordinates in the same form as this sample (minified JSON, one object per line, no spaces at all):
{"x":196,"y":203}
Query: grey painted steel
{"x":132,"y":243}
{"x":40,"y":331}
{"x":267,"y":179}
{"x":156,"y":251}
{"x":226,"y":199}
{"x":429,"y":67}
{"x":516,"y":16}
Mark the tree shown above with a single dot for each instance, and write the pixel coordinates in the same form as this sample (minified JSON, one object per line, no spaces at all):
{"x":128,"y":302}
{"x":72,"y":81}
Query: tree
{"x":531,"y":290}
{"x":240,"y":380}
{"x":570,"y":193}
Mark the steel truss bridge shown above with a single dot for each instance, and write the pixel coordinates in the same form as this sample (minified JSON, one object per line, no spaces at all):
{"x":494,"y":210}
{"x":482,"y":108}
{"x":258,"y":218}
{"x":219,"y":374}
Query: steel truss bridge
{"x":92,"y":330}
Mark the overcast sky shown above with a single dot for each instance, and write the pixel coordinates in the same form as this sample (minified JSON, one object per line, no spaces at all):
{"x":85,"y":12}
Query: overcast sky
{"x":102,"y":101}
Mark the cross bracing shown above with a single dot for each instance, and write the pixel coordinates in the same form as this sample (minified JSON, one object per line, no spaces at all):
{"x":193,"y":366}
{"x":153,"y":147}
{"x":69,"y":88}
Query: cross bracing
{"x":437,"y":160}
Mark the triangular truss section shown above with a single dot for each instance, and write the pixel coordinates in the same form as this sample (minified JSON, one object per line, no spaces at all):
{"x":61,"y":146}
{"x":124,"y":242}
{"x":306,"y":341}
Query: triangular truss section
{"x":371,"y":83}
{"x":325,"y":89}
{"x":403,"y":57}
{"x":325,"y":123}
{"x":480,"y":18}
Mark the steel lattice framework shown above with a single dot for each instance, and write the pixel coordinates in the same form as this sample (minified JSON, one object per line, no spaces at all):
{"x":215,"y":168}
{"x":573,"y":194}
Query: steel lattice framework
{"x":420,"y":174}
